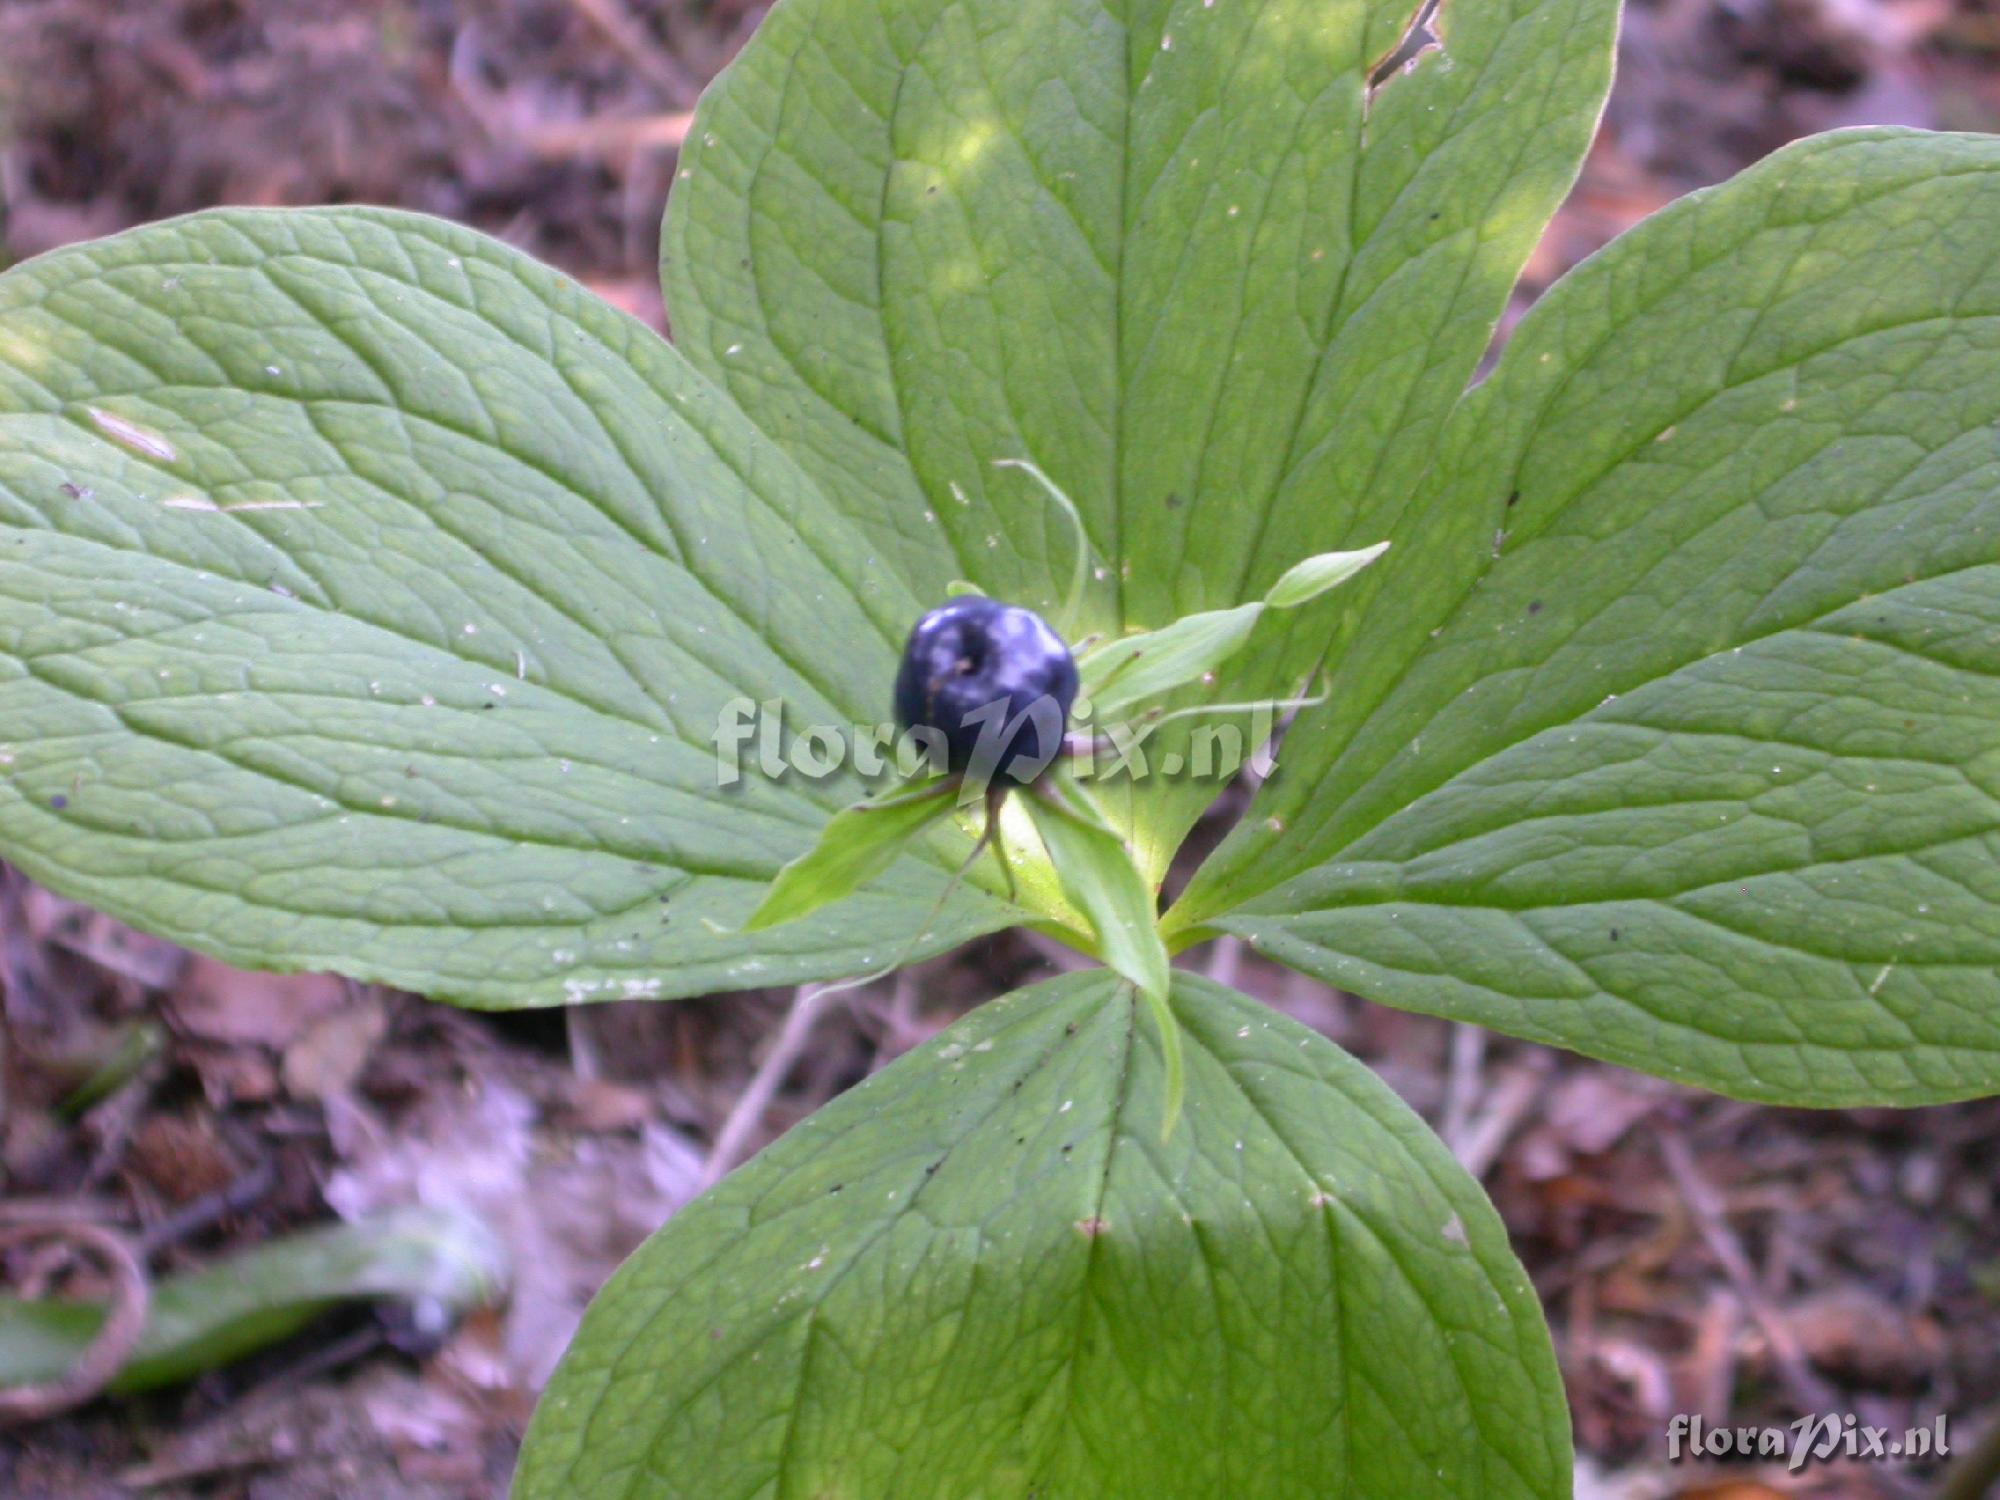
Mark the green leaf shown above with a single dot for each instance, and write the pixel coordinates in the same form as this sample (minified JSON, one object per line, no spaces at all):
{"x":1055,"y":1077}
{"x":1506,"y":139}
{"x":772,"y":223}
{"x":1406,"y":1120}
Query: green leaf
{"x":857,"y":844}
{"x":1307,"y":580}
{"x":981,"y":1276}
{"x":1670,"y":735}
{"x":371,"y":598}
{"x":1182,"y":257}
{"x":1120,"y":675}
{"x":201,"y":1320}
{"x":1099,"y":877}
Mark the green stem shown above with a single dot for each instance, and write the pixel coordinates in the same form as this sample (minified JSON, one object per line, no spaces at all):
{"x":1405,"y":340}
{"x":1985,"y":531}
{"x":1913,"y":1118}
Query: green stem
{"x":1173,"y":1062}
{"x":1080,"y":573}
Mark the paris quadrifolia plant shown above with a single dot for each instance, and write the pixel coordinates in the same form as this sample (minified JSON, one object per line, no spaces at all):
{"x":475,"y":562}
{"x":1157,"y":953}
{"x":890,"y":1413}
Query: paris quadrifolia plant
{"x":1065,"y":396}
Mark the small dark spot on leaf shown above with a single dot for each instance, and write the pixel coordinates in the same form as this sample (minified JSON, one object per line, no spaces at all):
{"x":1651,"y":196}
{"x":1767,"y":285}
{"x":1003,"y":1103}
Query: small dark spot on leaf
{"x":58,"y":802}
{"x":933,"y":1166}
{"x":1513,"y":499}
{"x":836,"y":1187}
{"x":77,"y":491}
{"x":1534,"y":606}
{"x":1174,"y":501}
{"x":1070,"y":1029}
{"x":1614,"y":934}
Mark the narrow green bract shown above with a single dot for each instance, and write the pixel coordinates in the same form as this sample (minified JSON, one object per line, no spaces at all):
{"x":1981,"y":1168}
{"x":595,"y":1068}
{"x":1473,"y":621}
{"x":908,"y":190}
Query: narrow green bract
{"x":1099,"y":876}
{"x":857,"y":845}
{"x":1120,"y":676}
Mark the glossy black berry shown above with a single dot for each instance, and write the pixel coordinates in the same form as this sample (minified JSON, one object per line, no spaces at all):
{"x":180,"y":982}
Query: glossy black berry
{"x":994,"y":681}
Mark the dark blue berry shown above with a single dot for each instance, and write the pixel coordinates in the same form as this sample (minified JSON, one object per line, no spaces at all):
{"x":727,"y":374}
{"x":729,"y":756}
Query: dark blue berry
{"x":994,"y":681}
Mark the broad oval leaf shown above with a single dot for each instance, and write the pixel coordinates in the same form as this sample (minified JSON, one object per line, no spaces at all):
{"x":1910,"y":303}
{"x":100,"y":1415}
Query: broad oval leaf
{"x":1671,"y":735}
{"x":981,"y":1276}
{"x":370,"y":598}
{"x":1182,"y":256}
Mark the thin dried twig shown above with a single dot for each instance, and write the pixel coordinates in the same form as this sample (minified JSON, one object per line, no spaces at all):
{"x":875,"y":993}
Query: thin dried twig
{"x":1710,"y":1367}
{"x":1226,"y":962}
{"x":1468,"y":1057}
{"x":61,"y":1211}
{"x":193,"y":1217}
{"x":124,"y":1321}
{"x":610,"y":136}
{"x":1507,"y":1105}
{"x":619,"y":28}
{"x":1810,"y":1392}
{"x":747,"y":1114}
{"x":893,"y":1020}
